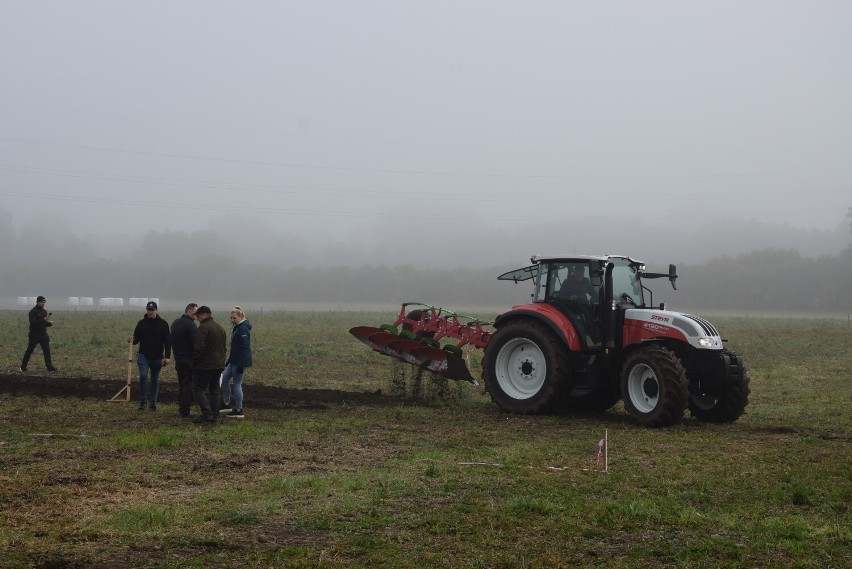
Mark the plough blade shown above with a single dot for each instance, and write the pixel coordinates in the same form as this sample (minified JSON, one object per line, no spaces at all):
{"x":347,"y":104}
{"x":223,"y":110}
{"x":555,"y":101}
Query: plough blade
{"x":383,"y":340}
{"x":363,"y":334}
{"x":404,"y":347}
{"x":427,"y":357}
{"x":457,"y":369}
{"x":444,"y":363}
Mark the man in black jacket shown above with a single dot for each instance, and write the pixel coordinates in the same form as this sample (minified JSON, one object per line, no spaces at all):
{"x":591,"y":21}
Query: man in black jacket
{"x":39,"y":321}
{"x":152,"y":335}
{"x":208,"y":361}
{"x":183,"y":342}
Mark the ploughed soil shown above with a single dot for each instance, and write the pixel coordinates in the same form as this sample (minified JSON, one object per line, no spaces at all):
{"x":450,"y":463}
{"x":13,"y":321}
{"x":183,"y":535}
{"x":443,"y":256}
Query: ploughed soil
{"x":259,"y":396}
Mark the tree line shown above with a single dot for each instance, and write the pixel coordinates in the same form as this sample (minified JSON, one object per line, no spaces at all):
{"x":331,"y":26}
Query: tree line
{"x":767,"y":280}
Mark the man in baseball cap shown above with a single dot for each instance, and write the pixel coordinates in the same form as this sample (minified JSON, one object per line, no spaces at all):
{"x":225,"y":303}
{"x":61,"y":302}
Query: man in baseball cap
{"x":154,"y":339}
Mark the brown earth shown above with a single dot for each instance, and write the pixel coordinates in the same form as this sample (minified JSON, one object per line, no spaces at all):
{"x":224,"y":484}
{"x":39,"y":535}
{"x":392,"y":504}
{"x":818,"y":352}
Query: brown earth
{"x":259,"y":396}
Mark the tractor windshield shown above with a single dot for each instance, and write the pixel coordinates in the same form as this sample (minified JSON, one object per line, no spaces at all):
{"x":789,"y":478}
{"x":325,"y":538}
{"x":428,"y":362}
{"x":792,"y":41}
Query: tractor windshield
{"x":626,"y":285}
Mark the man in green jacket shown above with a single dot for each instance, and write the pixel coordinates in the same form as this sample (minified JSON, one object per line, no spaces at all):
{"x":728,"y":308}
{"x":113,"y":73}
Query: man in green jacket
{"x":208,"y":361}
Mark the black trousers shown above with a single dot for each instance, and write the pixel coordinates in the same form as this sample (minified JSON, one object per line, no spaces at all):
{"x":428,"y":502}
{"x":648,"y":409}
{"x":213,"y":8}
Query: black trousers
{"x":44,"y":342}
{"x":205,"y":388}
{"x":183,"y":368}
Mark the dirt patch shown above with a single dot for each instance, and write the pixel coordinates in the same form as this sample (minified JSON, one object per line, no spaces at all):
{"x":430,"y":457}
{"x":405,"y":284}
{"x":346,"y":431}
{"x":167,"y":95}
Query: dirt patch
{"x":259,"y":396}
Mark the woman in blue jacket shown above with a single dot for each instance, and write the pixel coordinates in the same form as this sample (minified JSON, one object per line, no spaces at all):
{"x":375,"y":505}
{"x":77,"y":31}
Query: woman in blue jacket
{"x":239,"y":359}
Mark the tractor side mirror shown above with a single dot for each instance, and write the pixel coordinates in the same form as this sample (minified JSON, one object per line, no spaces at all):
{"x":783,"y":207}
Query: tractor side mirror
{"x":673,"y":276}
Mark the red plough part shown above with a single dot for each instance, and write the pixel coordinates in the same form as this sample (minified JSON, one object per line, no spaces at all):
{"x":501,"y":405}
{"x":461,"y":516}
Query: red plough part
{"x":415,"y":336}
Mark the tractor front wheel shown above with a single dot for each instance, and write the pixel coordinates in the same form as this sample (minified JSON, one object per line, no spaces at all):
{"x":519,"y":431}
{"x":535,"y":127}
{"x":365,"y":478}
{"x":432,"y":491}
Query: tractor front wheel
{"x":725,"y":406}
{"x":654,"y":386}
{"x":525,"y":368}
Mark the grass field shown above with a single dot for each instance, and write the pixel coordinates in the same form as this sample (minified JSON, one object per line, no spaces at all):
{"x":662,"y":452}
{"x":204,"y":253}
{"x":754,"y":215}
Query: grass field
{"x":440,"y":480}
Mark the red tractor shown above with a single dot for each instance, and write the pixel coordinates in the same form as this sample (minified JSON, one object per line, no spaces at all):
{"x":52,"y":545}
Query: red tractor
{"x":587,"y":339}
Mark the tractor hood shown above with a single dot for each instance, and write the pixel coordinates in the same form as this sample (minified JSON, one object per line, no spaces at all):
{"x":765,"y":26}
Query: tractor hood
{"x":641,"y":324}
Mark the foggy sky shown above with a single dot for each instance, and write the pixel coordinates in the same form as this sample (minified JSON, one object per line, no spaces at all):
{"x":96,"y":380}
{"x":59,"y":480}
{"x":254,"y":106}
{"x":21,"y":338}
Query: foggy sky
{"x":467,"y":121}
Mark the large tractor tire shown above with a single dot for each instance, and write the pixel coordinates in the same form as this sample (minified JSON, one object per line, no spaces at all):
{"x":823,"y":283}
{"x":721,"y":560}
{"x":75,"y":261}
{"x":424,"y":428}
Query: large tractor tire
{"x":526,"y":368}
{"x":724,"y":407}
{"x":654,"y":386}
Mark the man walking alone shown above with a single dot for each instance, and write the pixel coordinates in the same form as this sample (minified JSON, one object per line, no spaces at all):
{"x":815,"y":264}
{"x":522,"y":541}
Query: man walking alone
{"x":208,"y":361}
{"x":39,"y":321}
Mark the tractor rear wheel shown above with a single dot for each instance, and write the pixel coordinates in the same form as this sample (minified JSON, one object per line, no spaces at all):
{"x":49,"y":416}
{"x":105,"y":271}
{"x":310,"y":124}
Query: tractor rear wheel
{"x":654,"y":386}
{"x":724,"y":407}
{"x":525,"y":368}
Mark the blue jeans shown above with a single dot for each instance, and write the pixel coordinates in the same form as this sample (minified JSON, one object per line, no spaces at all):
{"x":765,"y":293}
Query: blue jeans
{"x":231,"y":372}
{"x":144,"y":366}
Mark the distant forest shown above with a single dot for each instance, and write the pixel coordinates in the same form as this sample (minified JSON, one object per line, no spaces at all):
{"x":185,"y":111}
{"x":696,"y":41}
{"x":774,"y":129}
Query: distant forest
{"x":266,"y":267}
{"x":760,"y":281}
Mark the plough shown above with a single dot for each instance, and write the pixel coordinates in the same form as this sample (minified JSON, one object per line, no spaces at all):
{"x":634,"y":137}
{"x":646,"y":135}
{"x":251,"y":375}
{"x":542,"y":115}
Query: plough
{"x":415,"y":338}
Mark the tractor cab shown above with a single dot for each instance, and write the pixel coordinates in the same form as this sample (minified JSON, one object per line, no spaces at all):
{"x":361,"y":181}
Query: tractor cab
{"x":567,"y":285}
{"x":592,"y":291}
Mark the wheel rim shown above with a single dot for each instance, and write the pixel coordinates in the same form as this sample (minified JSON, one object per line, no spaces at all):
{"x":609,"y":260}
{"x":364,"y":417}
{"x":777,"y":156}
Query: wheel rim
{"x":520,"y":368}
{"x":643,"y":388}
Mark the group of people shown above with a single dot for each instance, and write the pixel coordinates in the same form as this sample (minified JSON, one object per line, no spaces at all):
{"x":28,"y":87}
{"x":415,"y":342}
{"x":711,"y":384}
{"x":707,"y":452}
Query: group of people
{"x":204,"y":368}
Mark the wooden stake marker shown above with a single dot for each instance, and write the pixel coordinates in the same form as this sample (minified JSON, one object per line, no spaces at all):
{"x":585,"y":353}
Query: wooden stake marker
{"x":126,"y":389}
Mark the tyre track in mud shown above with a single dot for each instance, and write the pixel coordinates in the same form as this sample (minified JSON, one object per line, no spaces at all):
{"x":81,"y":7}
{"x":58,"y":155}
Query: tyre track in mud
{"x":257,"y":396}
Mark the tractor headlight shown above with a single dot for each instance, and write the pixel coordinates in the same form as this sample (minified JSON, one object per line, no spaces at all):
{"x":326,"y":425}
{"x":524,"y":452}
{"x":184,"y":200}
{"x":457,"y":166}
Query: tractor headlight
{"x":706,"y":342}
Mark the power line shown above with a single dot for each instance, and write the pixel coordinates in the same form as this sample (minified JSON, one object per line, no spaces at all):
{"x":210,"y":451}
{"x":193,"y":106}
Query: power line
{"x":420,"y":172}
{"x":275,"y":189}
{"x":230,"y":208}
{"x":397,"y":143}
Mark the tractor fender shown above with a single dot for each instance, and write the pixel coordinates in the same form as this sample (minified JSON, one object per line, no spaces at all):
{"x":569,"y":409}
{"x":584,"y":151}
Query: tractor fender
{"x":683,"y":350}
{"x":553,"y":318}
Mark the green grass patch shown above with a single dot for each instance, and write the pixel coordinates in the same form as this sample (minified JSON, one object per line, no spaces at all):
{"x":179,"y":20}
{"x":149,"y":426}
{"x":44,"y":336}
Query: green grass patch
{"x":424,"y":481}
{"x":145,"y":440}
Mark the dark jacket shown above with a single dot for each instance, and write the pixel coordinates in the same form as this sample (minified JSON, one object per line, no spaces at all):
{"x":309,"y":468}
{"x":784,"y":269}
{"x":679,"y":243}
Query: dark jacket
{"x":183,"y":336}
{"x":38,"y":324}
{"x":152,"y":335}
{"x":240,"y":355}
{"x":578,"y":289}
{"x":209,"y":351}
